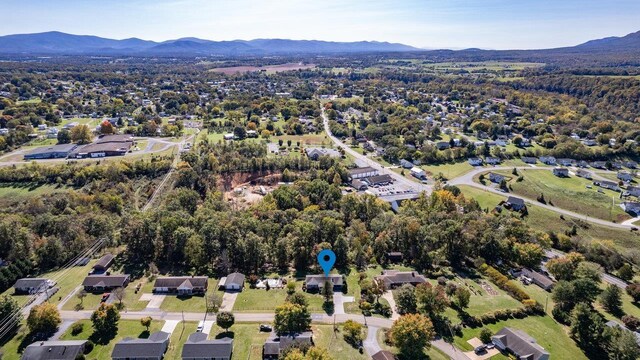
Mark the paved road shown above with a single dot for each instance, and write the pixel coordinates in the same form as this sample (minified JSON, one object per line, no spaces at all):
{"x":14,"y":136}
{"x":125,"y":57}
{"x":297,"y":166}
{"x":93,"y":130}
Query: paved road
{"x":372,"y":163}
{"x":467,"y":179}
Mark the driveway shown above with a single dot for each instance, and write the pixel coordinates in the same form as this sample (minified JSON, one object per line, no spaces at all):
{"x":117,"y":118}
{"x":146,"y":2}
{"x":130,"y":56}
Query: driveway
{"x":170,"y":325}
{"x":388,"y":295}
{"x":338,"y":302}
{"x":155,"y":300}
{"x":370,"y":344}
{"x":228,"y":300}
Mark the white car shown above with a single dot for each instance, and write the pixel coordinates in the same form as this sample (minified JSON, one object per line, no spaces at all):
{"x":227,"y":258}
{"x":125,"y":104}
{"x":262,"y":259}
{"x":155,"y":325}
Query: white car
{"x":200,"y":326}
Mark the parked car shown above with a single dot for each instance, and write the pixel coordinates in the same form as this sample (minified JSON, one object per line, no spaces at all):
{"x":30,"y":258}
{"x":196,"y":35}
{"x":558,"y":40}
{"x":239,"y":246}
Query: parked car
{"x":200,"y":326}
{"x":265,"y":328}
{"x":480,"y":349}
{"x":105,"y":296}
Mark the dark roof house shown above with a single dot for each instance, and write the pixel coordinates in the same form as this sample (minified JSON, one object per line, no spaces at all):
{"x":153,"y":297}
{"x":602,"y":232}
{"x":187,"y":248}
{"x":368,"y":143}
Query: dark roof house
{"x":316,"y":282}
{"x":198,"y":347}
{"x":31,"y":285}
{"x":182,"y":285}
{"x":515,"y":203}
{"x":394,"y":278}
{"x":383,"y":355}
{"x":539,"y":279}
{"x":520,"y":344}
{"x":152,"y":348}
{"x":275,"y":344}
{"x":54,"y":350}
{"x":94,"y":283}
{"x":103,"y":264}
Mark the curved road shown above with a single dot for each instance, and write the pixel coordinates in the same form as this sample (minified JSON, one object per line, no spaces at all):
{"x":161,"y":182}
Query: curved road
{"x":467,"y":179}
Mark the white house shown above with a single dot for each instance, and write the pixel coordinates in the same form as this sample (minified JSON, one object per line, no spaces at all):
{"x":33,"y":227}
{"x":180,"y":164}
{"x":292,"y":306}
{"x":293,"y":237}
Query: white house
{"x":418,"y":173}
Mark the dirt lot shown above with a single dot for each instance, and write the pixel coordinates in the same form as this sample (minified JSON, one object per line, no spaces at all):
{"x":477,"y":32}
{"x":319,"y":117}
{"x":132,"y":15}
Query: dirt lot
{"x":242,"y":190}
{"x":269,"y":68}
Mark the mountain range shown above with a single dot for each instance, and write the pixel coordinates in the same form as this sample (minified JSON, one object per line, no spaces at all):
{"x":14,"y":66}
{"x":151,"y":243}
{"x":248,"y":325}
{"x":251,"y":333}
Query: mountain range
{"x":58,"y":43}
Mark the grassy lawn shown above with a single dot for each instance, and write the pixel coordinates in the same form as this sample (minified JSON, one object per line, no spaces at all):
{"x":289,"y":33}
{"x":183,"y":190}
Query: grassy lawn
{"x":449,"y":171}
{"x":126,"y":328}
{"x":546,"y":220}
{"x":481,"y":302}
{"x":324,"y":336}
{"x":172,"y":303}
{"x":548,"y":333}
{"x":178,"y":338}
{"x":568,"y":193}
{"x":629,"y":307}
{"x":254,"y":300}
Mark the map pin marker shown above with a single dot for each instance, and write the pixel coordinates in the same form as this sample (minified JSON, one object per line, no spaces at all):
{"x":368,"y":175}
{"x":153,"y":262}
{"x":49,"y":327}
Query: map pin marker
{"x":326,"y":259}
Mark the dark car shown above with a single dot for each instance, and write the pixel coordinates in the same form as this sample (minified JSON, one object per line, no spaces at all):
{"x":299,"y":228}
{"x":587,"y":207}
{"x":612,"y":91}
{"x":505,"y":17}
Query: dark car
{"x":265,"y":328}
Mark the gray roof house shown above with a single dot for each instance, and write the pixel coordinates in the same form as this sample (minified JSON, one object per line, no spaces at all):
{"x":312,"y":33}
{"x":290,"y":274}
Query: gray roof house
{"x":314,"y":153}
{"x":549,"y":160}
{"x":475,"y":161}
{"x":152,"y":348}
{"x":103,"y":264}
{"x":54,"y":350}
{"x":232,"y":282}
{"x":32,"y":285}
{"x":406,"y":164}
{"x":97,"y":283}
{"x":492,"y":160}
{"x":514,"y":203}
{"x":520,"y":344}
{"x":181,"y":285}
{"x":383,"y":355}
{"x":539,"y":279}
{"x":634,"y":190}
{"x":561,"y":172}
{"x":198,"y":347}
{"x":611,"y":185}
{"x":631,"y":207}
{"x":316,"y":282}
{"x":625,"y":176}
{"x":529,"y":160}
{"x":613,"y":323}
{"x":275,"y":344}
{"x":565,"y":162}
{"x":393,"y":278}
{"x":583,"y":174}
{"x":363,"y":172}
{"x":496,"y":178}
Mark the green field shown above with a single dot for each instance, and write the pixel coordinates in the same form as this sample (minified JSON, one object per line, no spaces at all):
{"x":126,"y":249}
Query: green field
{"x":19,"y":193}
{"x":449,"y":171}
{"x":546,"y":220}
{"x":178,"y":338}
{"x":551,"y":335}
{"x":568,"y":193}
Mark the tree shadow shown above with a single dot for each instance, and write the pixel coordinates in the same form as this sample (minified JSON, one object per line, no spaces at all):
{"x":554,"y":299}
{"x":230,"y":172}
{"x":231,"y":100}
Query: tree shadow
{"x":226,"y":334}
{"x":144,"y":334}
{"x":328,"y":307}
{"x":103,"y":338}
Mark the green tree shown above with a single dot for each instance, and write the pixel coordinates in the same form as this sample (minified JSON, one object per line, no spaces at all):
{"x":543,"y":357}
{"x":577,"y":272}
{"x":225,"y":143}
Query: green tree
{"x":622,"y":345}
{"x":64,"y":136}
{"x":225,"y":320}
{"x":611,"y":299}
{"x":327,"y":291}
{"x":431,"y":299}
{"x":586,"y":326}
{"x":291,"y":318}
{"x":146,"y":322}
{"x":462,"y":297}
{"x":353,"y":332}
{"x":9,"y":308}
{"x":625,"y":272}
{"x":81,"y":134}
{"x":44,"y":318}
{"x":105,"y":320}
{"x":406,"y":302}
{"x":412,"y":334}
{"x":485,"y":335}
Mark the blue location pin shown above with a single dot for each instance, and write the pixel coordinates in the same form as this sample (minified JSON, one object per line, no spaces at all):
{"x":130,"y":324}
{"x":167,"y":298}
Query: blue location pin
{"x":327,"y":259}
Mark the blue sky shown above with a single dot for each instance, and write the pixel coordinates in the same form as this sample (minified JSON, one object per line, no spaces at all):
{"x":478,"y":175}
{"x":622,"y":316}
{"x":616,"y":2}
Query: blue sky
{"x":491,"y":24}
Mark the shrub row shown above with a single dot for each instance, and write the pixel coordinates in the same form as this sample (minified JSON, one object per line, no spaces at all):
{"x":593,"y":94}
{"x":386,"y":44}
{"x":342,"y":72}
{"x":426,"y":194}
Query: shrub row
{"x":504,"y":283}
{"x":531,"y":308}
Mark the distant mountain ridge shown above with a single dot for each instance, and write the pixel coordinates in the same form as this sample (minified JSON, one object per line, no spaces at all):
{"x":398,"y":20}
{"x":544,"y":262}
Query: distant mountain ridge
{"x":55,"y":42}
{"x":627,"y":42}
